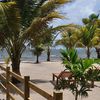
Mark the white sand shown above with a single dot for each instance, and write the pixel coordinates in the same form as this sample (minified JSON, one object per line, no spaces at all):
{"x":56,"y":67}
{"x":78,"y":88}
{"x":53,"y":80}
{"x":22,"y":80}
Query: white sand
{"x":41,"y":75}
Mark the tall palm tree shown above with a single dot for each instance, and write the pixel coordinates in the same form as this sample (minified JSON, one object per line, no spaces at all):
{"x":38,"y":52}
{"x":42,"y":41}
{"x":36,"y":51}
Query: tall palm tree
{"x":89,"y":36}
{"x":98,"y":46}
{"x":13,"y":32}
{"x":47,"y":13}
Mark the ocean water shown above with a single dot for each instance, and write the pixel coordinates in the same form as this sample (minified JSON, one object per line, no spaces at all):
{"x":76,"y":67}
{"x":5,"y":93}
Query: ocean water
{"x":55,"y":55}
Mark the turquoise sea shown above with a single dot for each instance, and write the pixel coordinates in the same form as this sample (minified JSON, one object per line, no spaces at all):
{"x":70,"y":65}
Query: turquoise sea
{"x":55,"y":54}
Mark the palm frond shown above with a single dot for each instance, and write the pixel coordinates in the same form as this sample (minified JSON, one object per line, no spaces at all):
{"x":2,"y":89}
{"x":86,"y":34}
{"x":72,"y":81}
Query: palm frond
{"x":51,"y":5}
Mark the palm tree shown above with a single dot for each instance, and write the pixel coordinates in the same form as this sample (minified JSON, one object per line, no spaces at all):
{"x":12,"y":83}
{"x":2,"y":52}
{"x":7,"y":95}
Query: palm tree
{"x":14,"y":33}
{"x":98,"y":46}
{"x":10,"y":33}
{"x":89,"y":36}
{"x":44,"y":31}
{"x":51,"y":35}
{"x":49,"y":39}
{"x":98,"y":52}
{"x":70,"y":35}
{"x":37,"y":51}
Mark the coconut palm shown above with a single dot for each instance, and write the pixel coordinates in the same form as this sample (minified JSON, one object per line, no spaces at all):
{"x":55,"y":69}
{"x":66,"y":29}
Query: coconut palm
{"x":98,"y":46}
{"x":14,"y":34}
{"x":51,"y":35}
{"x":37,"y":51}
{"x":98,"y":51}
{"x":89,"y":34}
{"x":48,"y":41}
{"x":44,"y":28}
{"x":70,"y":35}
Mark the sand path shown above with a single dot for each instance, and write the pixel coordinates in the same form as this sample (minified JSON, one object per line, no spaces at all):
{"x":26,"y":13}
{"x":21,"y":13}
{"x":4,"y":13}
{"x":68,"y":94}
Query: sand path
{"x":41,"y":75}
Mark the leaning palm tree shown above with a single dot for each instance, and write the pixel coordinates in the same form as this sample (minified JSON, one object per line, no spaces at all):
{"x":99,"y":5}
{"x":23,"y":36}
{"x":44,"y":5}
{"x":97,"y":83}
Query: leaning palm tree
{"x":44,"y":31}
{"x":70,"y":35}
{"x":13,"y":29}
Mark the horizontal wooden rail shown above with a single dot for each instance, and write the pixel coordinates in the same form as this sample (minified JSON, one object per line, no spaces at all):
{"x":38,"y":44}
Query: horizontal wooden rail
{"x":40,"y":91}
{"x":16,"y":89}
{"x":3,"y":68}
{"x":29,"y":99}
{"x":3,"y":86}
{"x":17,"y":76}
{"x":11,"y":97}
{"x":3,"y":77}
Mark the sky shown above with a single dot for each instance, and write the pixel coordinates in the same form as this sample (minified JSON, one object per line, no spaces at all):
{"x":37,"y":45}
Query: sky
{"x":77,"y":10}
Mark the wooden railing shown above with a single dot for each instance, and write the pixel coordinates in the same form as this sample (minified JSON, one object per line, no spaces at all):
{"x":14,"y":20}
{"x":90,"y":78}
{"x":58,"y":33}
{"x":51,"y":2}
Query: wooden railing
{"x":27,"y":86}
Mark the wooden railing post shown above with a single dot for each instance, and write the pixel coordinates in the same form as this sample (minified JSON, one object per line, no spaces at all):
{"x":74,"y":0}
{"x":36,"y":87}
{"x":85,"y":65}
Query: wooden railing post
{"x":58,"y":95}
{"x":26,"y":87}
{"x":7,"y":82}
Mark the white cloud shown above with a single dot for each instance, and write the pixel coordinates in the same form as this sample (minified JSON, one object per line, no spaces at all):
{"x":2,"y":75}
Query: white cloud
{"x":77,"y":10}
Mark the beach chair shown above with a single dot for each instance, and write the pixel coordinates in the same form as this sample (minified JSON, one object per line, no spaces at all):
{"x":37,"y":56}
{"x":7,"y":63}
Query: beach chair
{"x":62,"y":75}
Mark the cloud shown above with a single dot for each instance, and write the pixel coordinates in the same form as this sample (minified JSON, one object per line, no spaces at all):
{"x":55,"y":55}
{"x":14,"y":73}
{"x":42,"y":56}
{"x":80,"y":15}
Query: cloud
{"x":77,"y":10}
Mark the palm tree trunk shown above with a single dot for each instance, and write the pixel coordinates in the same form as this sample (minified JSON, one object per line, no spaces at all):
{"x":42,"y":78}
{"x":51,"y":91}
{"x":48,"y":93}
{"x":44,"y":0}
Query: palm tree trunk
{"x":88,"y":52}
{"x":15,"y":68}
{"x":98,"y":52}
{"x":48,"y":53}
{"x":37,"y":58}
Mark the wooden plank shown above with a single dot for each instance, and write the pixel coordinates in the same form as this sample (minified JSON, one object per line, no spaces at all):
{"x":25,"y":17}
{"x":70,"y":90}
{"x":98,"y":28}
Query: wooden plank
{"x":29,"y":99}
{"x":58,"y":95}
{"x":3,"y":77}
{"x":21,"y":93}
{"x":7,"y":83}
{"x":40,"y":91}
{"x":3,"y":86}
{"x":3,"y":68}
{"x":17,"y":76}
{"x":26,"y":87}
{"x":11,"y":97}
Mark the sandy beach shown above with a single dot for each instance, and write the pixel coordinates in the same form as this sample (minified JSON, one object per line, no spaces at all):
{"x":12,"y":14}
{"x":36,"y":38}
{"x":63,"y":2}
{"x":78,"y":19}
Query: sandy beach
{"x":41,"y":75}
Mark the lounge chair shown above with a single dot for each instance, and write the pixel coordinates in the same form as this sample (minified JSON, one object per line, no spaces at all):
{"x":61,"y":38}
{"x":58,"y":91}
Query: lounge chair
{"x":62,"y":75}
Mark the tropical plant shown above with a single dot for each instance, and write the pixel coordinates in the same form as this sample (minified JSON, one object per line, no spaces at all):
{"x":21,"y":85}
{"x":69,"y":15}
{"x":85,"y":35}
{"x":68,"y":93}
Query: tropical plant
{"x":69,"y":56}
{"x":81,"y":73}
{"x":15,"y":33}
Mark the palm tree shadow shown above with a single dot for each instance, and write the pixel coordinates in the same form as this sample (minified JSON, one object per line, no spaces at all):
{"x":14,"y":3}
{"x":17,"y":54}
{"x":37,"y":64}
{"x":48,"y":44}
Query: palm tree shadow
{"x":38,"y":81}
{"x":31,"y":62}
{"x":98,"y":86}
{"x":11,"y":90}
{"x":21,"y":85}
